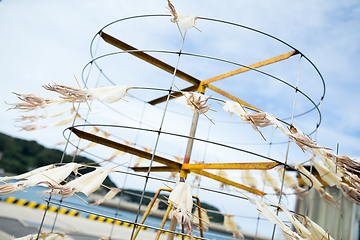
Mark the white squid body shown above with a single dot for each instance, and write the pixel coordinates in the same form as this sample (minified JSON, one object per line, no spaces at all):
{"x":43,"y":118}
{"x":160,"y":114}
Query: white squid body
{"x":277,"y":124}
{"x":326,"y":175}
{"x":91,"y":181}
{"x":53,"y":101}
{"x":326,"y":197}
{"x":183,"y":99}
{"x":64,"y":121}
{"x":316,"y":183}
{"x":222,"y":174}
{"x":54,"y":176}
{"x":301,"y":229}
{"x":269,"y":214}
{"x":230,"y":224}
{"x":317,"y":232}
{"x":234,"y":107}
{"x":109,"y":195}
{"x":29,"y":174}
{"x":321,"y":153}
{"x":289,"y":181}
{"x":186,"y":21}
{"x":107,"y":94}
{"x":181,"y":197}
{"x":204,"y":218}
{"x":114,"y":155}
{"x":270,"y":181}
{"x":248,"y":179}
{"x":58,"y":113}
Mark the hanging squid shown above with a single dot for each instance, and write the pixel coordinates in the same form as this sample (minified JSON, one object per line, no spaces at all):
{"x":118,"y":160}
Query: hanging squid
{"x":326,"y":197}
{"x":270,"y":181}
{"x":57,"y":235}
{"x":106,"y":94}
{"x":257,"y":119}
{"x":31,"y":102}
{"x":230,"y":225}
{"x":86,"y":183}
{"x":350,"y":193}
{"x":138,"y":160}
{"x":194,"y":101}
{"x":117,"y":152}
{"x":181,"y":198}
{"x":325,"y":174}
{"x":47,"y":115}
{"x":64,"y":121}
{"x":248,"y":179}
{"x":276,"y":123}
{"x":184,"y":21}
{"x":92,"y":144}
{"x":302,"y":140}
{"x":30,"y":127}
{"x":270,"y":215}
{"x":222,"y":174}
{"x":205,"y":220}
{"x":316,"y":231}
{"x":343,"y":161}
{"x":291,"y":182}
{"x":29,"y":174}
{"x":109,"y":195}
{"x":52,"y":176}
{"x":322,"y":154}
{"x":300,"y":229}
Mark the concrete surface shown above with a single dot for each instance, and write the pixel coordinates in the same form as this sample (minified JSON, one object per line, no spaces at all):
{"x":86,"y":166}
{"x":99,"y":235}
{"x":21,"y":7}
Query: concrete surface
{"x":19,"y":221}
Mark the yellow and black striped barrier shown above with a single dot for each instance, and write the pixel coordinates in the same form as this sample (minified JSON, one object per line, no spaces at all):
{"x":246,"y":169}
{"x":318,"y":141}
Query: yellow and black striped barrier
{"x":125,"y":224}
{"x":41,"y":206}
{"x":109,"y":220}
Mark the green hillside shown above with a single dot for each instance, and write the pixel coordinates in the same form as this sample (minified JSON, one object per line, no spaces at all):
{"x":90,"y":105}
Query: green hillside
{"x":19,"y":156}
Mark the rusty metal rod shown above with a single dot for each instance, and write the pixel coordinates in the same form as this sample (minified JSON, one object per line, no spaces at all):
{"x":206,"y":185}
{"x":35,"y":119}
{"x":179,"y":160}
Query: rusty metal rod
{"x":252,"y":166}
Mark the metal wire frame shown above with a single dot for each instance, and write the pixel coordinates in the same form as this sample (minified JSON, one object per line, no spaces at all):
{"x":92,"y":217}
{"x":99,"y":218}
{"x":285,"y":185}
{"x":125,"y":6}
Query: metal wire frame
{"x":119,"y":219}
{"x":157,"y":179}
{"x":214,"y":20}
{"x":196,"y":55}
{"x":233,"y":24}
{"x":221,"y":60}
{"x":216,"y":99}
{"x":172,"y":181}
{"x":194,"y":138}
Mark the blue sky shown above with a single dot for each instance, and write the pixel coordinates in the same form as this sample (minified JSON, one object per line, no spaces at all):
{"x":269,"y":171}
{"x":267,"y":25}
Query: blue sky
{"x":45,"y":41}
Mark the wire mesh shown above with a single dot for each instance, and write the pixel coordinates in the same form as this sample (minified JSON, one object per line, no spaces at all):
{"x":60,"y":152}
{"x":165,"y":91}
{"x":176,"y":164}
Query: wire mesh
{"x":165,"y":135}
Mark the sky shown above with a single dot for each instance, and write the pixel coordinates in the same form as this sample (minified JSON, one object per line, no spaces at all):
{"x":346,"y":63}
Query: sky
{"x":49,"y":41}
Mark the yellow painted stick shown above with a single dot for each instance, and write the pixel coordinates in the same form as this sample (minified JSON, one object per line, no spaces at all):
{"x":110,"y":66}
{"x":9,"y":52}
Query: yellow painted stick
{"x":124,"y":148}
{"x":255,"y":65}
{"x":257,"y":166}
{"x":228,"y":182}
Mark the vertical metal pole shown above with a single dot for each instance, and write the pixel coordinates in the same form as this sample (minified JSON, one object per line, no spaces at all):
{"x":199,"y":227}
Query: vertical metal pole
{"x":189,"y":147}
{"x":172,"y":228}
{"x":190,"y":144}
